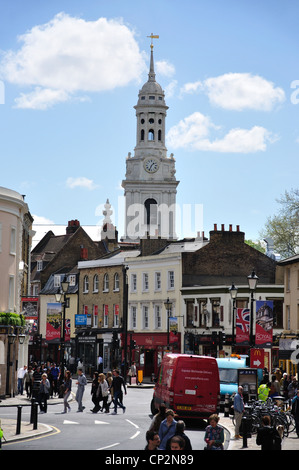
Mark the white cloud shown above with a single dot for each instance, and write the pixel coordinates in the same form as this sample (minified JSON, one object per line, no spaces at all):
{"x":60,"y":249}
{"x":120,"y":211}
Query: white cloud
{"x":81,"y":182}
{"x":238,"y":91}
{"x":194,"y":133}
{"x":165,"y":68}
{"x":68,"y":55}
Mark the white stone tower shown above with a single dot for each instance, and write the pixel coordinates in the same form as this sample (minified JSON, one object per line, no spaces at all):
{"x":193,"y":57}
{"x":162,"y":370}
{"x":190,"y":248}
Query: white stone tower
{"x":150,"y":184}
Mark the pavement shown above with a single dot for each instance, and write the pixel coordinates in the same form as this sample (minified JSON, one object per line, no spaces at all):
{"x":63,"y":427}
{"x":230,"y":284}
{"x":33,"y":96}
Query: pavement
{"x":9,"y":426}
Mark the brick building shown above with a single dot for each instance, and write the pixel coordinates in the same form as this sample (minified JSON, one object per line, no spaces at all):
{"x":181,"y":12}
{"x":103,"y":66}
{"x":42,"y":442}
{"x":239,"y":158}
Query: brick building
{"x":207,"y":275}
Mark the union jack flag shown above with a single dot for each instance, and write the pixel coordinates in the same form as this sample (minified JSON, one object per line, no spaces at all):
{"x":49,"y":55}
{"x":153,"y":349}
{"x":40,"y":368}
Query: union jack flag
{"x":242,"y":325}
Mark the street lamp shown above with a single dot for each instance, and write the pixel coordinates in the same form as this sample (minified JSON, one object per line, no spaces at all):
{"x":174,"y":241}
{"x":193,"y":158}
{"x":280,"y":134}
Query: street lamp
{"x":60,"y":297}
{"x":252,"y":282}
{"x":233,"y":290}
{"x":168,"y":306}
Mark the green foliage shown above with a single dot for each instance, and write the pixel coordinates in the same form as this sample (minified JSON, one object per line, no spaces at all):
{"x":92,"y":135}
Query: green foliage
{"x":11,"y":319}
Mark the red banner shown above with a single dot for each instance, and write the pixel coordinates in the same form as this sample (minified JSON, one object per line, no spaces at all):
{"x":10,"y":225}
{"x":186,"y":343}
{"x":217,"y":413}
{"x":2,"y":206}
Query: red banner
{"x":242,"y":326}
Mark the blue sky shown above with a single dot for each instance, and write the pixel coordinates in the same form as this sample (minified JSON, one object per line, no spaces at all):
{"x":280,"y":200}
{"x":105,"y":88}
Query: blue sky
{"x":70,"y":75}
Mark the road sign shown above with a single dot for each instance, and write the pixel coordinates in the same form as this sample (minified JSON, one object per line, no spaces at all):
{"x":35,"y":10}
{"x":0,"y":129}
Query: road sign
{"x":257,"y":358}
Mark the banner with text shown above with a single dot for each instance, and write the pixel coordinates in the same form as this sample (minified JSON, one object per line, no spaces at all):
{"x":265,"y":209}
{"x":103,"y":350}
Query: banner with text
{"x":264,"y":323}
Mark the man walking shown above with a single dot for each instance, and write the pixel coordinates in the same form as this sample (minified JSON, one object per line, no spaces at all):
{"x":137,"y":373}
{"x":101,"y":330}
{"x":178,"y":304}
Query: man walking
{"x":81,"y":382}
{"x":238,"y":411}
{"x":117,"y":383}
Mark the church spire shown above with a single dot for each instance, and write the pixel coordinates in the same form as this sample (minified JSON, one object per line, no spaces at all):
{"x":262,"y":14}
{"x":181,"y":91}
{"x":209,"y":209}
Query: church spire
{"x":152,"y":75}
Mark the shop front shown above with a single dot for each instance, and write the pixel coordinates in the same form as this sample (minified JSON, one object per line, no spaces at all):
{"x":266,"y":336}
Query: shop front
{"x":148,"y":349}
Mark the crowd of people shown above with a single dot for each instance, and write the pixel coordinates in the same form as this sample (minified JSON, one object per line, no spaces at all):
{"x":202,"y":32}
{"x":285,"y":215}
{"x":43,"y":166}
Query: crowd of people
{"x":167,"y":432}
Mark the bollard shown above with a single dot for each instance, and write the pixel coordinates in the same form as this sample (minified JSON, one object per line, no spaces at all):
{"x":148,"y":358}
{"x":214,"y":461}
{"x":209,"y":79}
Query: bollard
{"x":244,"y":430}
{"x":19,"y":417}
{"x":226,"y":406}
{"x":34,"y":413}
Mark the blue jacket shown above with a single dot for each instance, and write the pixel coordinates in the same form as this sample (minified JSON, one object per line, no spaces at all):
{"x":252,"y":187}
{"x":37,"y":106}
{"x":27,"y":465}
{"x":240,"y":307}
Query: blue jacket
{"x":166,"y":432}
{"x":238,"y":403}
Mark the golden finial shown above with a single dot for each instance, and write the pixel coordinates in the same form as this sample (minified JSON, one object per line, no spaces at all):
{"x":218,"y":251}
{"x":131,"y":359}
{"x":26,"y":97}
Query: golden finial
{"x":153,"y":36}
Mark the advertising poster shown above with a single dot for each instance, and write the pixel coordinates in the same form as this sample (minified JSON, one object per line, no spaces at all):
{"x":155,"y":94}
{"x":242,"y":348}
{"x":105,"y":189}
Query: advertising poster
{"x":173,"y":329}
{"x":264,"y":323}
{"x":242,"y":326}
{"x":53,"y":321}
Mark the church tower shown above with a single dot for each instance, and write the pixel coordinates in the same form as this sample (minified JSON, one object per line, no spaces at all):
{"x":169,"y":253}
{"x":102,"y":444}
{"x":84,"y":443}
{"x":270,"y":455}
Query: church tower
{"x":150,"y":183}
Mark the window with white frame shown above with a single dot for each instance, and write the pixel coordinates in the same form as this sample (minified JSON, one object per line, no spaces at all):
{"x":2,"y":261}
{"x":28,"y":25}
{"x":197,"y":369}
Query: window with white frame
{"x":133,"y":317}
{"x":105,"y":315}
{"x":116,"y":282}
{"x":39,"y":265}
{"x":85,"y":284}
{"x":95,"y":283}
{"x":145,"y":282}
{"x":13,"y":240}
{"x":116,"y":316}
{"x":106,"y":283}
{"x":133,"y":282}
{"x":57,"y":280}
{"x":170,"y":283}
{"x":158,"y":319}
{"x":157,"y":281}
{"x":11,"y":294}
{"x":145,"y":317}
{"x":72,"y":279}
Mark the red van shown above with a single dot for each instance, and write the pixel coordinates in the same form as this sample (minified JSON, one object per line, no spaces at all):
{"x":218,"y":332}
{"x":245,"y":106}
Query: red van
{"x":189,"y":385}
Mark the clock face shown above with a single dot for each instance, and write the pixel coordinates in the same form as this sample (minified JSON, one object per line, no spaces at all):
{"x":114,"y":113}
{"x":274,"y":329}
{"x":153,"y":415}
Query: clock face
{"x":151,"y":165}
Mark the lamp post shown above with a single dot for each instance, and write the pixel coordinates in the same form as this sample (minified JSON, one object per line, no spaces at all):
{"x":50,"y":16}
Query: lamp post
{"x":252,"y":282}
{"x":125,"y":318}
{"x":60,"y":297}
{"x":168,"y":306}
{"x":233,"y":290}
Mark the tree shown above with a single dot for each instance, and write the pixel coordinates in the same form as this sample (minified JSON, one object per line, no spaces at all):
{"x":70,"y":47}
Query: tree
{"x":283,"y":228}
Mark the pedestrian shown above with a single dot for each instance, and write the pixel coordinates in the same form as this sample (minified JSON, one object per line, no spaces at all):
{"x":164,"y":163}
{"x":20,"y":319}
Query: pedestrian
{"x":117,"y":384}
{"x":238,"y":411}
{"x":177,"y":443}
{"x":81,"y":382}
{"x":43,"y":395}
{"x":104,"y":389}
{"x":275,"y":387}
{"x":180,"y":431}
{"x":214,"y":436}
{"x":153,"y":440}
{"x":95,"y":393}
{"x":67,"y":388}
{"x":109,"y":379}
{"x":21,"y":374}
{"x":37,"y":377}
{"x":100,"y":364}
{"x":158,"y":418}
{"x":167,"y":428}
{"x":267,"y":436}
{"x":133,"y":373}
{"x":263,"y":391}
{"x":285,"y":382}
{"x":55,"y":374}
{"x":28,"y":379}
{"x":292,"y":387}
{"x":295,"y":411}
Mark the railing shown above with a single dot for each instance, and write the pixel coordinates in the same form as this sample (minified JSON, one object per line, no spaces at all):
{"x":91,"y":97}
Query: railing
{"x":33,"y":414}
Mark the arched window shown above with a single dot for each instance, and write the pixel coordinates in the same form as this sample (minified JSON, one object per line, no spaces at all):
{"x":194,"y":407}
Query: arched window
{"x":159,"y":134}
{"x":85,"y":284}
{"x":106,"y":283}
{"x":116,"y":282}
{"x":151,"y":135}
{"x":151,"y":212}
{"x":142,"y":134}
{"x":96,"y":283}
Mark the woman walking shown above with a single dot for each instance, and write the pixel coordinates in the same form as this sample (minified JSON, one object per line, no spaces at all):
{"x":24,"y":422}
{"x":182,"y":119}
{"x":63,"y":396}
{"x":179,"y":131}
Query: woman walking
{"x":67,"y":391}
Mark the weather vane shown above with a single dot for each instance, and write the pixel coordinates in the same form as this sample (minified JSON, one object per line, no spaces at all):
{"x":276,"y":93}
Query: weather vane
{"x":153,"y":36}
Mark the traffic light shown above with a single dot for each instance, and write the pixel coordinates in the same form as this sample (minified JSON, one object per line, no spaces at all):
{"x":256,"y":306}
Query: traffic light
{"x":132,"y":344}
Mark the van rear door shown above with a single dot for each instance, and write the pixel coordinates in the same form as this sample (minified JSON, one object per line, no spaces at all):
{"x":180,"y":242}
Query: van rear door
{"x":196,"y":387}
